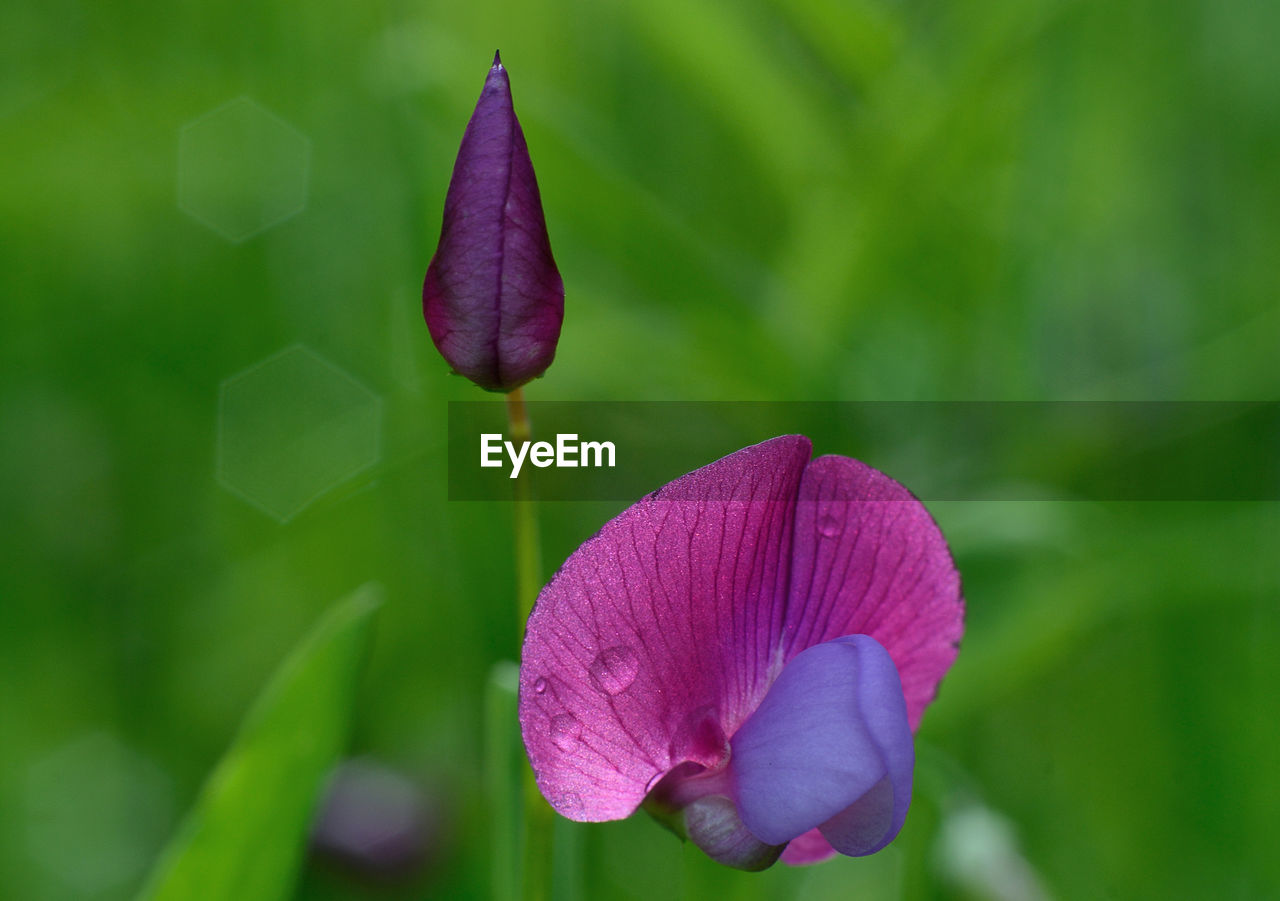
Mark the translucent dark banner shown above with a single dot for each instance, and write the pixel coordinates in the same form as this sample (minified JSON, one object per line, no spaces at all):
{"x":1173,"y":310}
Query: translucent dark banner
{"x":1081,"y":451}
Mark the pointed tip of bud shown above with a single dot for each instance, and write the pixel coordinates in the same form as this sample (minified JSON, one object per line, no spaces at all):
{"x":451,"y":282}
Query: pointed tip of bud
{"x":497,"y":60}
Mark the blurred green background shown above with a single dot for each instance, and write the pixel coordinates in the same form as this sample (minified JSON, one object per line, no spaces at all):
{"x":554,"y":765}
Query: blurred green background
{"x":220,"y":411}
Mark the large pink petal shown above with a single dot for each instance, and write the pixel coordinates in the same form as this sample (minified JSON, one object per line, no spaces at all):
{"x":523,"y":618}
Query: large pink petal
{"x":658,"y":636}
{"x":869,"y":559}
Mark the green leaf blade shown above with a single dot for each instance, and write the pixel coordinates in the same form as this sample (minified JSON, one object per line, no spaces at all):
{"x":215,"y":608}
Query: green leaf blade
{"x":245,"y":837}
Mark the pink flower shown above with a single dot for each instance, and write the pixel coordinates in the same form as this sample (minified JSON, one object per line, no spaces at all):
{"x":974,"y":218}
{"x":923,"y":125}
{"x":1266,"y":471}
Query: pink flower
{"x":746,"y":652}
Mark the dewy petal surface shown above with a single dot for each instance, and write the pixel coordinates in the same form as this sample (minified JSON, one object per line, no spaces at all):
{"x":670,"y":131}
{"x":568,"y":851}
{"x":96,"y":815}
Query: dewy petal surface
{"x":657,"y":637}
{"x":493,"y":298}
{"x":869,"y":559}
{"x":829,"y":747}
{"x":661,"y":635}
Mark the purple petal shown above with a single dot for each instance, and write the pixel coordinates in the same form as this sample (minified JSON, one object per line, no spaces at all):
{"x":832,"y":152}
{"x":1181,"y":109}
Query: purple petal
{"x":869,"y":559}
{"x":657,"y":637}
{"x":829,"y":747}
{"x":493,"y":299}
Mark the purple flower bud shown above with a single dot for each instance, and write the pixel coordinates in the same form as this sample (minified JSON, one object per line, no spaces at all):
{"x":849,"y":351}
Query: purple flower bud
{"x":493,"y":298}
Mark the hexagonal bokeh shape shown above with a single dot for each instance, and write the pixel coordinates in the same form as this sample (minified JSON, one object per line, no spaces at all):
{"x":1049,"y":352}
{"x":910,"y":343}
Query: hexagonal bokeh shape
{"x":293,"y":427}
{"x":96,"y":813}
{"x":241,"y":169}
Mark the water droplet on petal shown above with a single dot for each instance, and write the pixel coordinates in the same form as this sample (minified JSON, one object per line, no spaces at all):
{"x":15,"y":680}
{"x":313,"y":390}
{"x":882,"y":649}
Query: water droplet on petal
{"x":568,"y":802}
{"x":830,"y":525}
{"x":565,"y":731}
{"x":540,"y":686}
{"x":614,"y":669}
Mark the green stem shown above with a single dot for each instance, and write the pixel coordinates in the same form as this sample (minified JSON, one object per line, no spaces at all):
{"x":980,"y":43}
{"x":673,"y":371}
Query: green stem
{"x":539,"y":822}
{"x":528,"y":546}
{"x":502,"y":762}
{"x":538,"y":817}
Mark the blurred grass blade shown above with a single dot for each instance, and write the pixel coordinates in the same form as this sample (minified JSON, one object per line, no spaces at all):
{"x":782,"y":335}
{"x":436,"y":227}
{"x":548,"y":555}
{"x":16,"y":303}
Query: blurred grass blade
{"x":245,"y":837}
{"x":568,"y":860}
{"x":504,"y":757}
